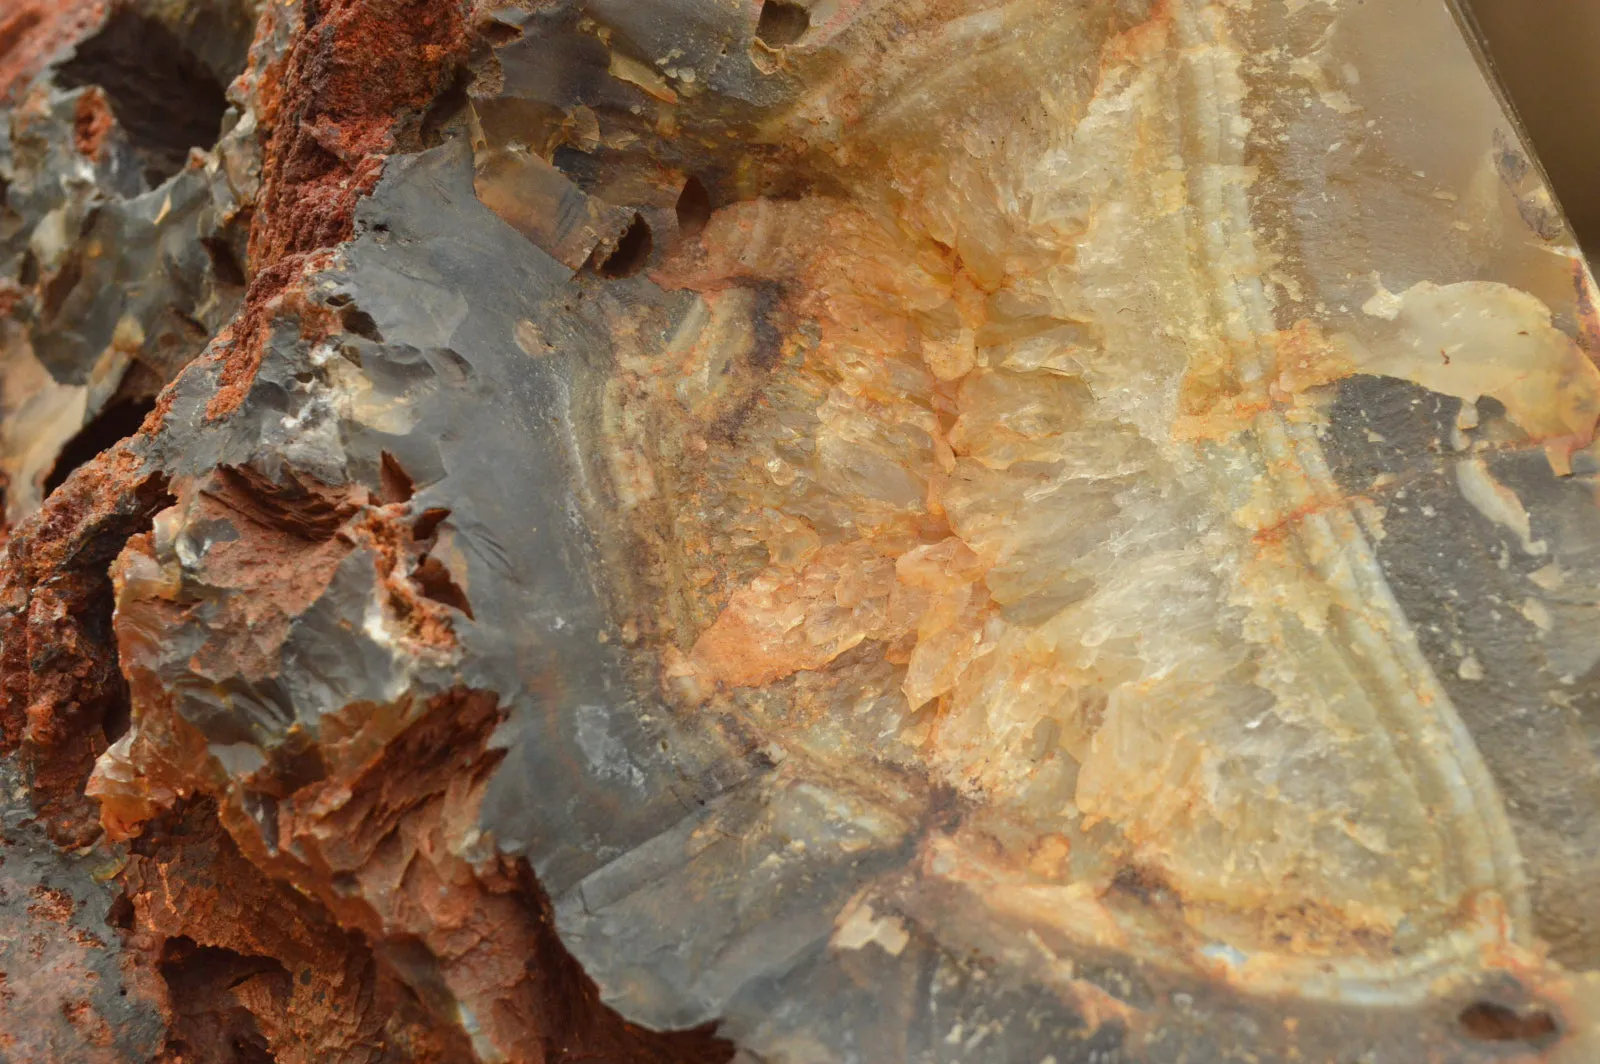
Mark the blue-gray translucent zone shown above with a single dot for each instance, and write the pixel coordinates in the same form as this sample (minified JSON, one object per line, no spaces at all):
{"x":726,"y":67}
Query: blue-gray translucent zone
{"x":667,"y":846}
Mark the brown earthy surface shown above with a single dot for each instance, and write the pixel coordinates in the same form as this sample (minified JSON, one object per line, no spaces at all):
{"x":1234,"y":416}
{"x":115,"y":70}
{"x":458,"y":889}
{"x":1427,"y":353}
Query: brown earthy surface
{"x":64,"y":698}
{"x":353,"y":85}
{"x":557,"y":531}
{"x":279,"y":967}
{"x":33,"y":31}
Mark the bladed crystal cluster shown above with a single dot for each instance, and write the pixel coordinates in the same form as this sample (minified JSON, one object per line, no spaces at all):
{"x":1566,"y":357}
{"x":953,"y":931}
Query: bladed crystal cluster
{"x":1032,"y":532}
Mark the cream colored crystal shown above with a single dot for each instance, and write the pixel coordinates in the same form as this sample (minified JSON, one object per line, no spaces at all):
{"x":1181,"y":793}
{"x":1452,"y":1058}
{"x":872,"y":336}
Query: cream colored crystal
{"x":1051,"y":444}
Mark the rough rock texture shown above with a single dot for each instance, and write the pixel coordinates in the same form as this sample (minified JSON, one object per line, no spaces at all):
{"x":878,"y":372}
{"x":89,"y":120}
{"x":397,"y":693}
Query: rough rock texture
{"x":913,"y":530}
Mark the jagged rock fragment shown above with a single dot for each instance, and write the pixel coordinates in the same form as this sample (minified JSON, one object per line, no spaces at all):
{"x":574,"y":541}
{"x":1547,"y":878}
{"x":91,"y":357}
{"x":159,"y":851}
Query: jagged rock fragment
{"x":887,"y":531}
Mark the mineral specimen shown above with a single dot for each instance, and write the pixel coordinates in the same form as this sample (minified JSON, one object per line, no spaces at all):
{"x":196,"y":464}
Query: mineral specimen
{"x":912,"y":530}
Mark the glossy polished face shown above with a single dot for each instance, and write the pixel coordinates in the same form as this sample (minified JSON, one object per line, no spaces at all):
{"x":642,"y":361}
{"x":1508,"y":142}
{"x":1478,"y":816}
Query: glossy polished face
{"x":1008,"y":415}
{"x":994,"y":456}
{"x":842,"y":531}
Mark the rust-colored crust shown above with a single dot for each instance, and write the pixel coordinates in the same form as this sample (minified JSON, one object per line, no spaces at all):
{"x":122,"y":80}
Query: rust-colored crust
{"x":91,"y":122}
{"x":60,"y":686}
{"x":377,"y":843}
{"x":244,"y":959}
{"x":33,"y":32}
{"x":366,"y":874}
{"x":357,"y":82}
{"x":53,"y":960}
{"x":367,"y":944}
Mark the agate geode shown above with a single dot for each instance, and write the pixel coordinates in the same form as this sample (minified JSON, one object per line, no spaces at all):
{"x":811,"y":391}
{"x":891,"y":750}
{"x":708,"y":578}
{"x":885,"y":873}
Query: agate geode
{"x":1019,"y":532}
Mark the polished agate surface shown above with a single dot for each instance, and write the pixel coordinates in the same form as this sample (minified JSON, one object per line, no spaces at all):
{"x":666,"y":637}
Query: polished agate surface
{"x":1010,"y":531}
